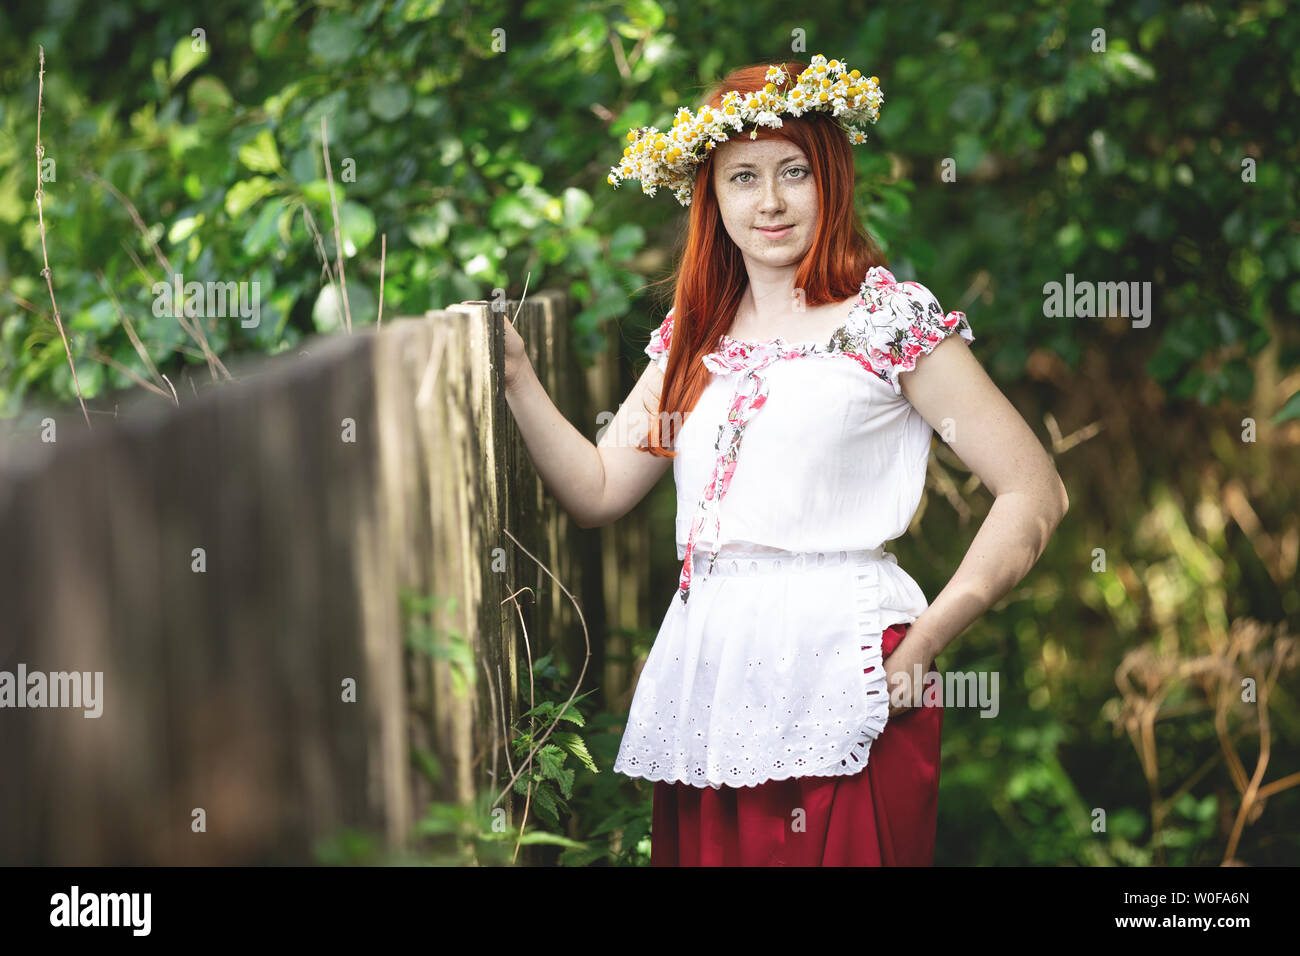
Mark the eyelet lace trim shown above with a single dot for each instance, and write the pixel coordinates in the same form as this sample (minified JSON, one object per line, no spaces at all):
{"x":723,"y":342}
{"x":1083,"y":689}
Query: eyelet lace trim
{"x":848,"y":757}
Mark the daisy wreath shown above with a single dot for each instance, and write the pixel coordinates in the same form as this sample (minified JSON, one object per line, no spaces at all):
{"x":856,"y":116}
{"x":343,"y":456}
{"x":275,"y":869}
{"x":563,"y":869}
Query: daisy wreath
{"x":670,"y":159}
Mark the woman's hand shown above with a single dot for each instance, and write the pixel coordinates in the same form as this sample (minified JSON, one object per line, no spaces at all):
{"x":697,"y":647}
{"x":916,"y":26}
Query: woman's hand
{"x":901,"y":667}
{"x":516,"y":356}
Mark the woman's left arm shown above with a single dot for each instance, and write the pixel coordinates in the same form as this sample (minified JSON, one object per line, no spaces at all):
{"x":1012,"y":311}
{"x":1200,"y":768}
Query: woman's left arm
{"x":950,"y":390}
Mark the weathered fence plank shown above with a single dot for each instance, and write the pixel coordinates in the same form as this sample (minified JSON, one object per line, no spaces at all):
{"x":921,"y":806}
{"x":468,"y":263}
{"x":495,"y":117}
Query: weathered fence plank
{"x":335,"y":515}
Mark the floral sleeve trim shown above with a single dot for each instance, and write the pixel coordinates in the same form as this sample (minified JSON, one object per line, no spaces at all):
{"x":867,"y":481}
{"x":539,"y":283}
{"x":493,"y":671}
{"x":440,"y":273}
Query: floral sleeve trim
{"x":660,"y":340}
{"x":904,"y":322}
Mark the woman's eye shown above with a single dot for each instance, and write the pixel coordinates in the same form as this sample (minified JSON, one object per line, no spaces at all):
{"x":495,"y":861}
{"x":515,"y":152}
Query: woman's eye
{"x":799,"y":169}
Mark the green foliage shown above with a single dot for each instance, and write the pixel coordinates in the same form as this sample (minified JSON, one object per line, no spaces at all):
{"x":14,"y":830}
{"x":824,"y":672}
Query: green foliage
{"x":481,"y":156}
{"x":606,"y":814}
{"x":220,"y":151}
{"x":1171,"y":157}
{"x":440,"y":643}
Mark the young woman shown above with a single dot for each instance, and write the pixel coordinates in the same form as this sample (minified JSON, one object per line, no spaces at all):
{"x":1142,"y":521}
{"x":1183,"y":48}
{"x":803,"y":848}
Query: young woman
{"x":778,"y":712}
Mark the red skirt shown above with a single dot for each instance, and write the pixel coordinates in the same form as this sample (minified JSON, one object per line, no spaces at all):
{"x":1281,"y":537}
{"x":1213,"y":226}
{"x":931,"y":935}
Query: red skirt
{"x":884,"y":815}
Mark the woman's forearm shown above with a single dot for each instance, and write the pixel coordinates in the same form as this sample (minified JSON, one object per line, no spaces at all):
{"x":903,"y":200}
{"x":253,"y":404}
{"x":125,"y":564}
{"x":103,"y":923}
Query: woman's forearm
{"x":1009,"y":542}
{"x":569,"y":464}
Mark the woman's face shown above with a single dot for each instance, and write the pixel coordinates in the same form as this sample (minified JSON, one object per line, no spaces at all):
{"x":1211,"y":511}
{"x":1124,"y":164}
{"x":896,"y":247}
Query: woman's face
{"x":766,"y":182}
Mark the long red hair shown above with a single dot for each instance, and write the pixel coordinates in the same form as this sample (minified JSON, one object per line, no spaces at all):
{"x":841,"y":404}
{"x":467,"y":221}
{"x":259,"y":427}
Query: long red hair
{"x":711,"y":278}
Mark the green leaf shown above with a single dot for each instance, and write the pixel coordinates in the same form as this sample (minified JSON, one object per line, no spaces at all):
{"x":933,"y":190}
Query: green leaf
{"x":577,"y":207}
{"x":100,"y":317}
{"x":160,"y":75}
{"x":572,"y":714}
{"x":565,"y":778}
{"x":209,"y":95}
{"x":541,"y":836}
{"x":552,"y":249}
{"x":357,"y":226}
{"x":261,"y":154}
{"x":327,"y":316}
{"x":335,"y":38}
{"x":327,"y":313}
{"x":183,"y":228}
{"x":544,"y":798}
{"x":551,"y":761}
{"x":318,"y":192}
{"x":427,"y":232}
{"x":185,"y":58}
{"x":626,"y":240}
{"x":390,"y":101}
{"x":263,"y":232}
{"x":575,"y":745}
{"x":972,"y":106}
{"x":263,"y":36}
{"x":415,"y":10}
{"x":510,"y":210}
{"x":243,"y":195}
{"x":285,"y":223}
{"x":1289,"y":411}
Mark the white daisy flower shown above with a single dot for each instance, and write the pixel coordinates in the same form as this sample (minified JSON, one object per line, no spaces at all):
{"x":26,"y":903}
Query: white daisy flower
{"x":669,"y":158}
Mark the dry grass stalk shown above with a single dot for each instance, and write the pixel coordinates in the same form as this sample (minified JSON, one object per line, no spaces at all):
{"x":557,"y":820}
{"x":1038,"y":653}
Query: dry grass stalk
{"x":586,"y":636}
{"x":383,"y":255}
{"x":140,"y":350}
{"x":40,"y":215}
{"x":334,"y":207}
{"x":1146,"y":679}
{"x":195,"y":331}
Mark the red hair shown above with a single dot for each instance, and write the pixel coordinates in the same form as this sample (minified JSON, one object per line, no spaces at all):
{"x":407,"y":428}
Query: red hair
{"x":711,"y":278}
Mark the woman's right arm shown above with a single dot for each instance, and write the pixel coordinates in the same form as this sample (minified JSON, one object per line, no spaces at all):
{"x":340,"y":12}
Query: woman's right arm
{"x":594,"y":484}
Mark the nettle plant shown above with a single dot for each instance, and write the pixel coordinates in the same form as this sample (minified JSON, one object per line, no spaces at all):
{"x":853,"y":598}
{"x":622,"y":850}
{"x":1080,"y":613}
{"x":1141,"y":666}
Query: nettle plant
{"x":545,"y":781}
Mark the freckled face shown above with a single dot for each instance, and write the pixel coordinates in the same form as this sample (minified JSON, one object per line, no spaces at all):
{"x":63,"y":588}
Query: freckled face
{"x":762,"y":183}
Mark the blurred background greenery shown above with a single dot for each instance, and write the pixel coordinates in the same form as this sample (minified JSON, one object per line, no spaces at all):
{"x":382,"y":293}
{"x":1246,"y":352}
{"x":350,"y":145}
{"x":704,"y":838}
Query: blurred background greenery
{"x":1152,"y":141}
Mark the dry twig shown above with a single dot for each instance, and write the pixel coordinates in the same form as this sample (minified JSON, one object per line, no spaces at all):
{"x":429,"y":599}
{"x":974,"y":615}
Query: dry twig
{"x":338,"y":235}
{"x":40,"y":215}
{"x":196,"y":330}
{"x":140,"y":350}
{"x":383,"y":255}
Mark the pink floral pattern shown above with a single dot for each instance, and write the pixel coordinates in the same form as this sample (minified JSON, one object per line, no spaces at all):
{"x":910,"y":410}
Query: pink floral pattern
{"x":892,"y":325}
{"x":661,"y":339}
{"x":897,"y":323}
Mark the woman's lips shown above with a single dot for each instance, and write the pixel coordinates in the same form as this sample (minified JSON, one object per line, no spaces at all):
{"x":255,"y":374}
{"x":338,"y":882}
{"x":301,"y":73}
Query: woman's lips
{"x":775,"y":233}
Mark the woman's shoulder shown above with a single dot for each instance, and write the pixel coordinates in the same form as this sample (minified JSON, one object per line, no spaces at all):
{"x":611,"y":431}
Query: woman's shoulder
{"x":881,"y":289}
{"x":661,"y":340}
{"x":902,"y":321}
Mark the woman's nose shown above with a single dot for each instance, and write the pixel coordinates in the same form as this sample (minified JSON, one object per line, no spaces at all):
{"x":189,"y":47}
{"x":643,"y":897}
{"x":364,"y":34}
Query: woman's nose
{"x":771,"y":196}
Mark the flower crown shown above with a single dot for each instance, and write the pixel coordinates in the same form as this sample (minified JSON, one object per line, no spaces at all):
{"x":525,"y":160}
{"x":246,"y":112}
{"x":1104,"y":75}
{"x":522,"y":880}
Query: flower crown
{"x":669,"y":159}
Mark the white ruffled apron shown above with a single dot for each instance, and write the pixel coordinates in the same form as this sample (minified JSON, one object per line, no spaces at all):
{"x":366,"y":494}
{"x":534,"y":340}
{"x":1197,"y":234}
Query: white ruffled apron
{"x":773,"y":670}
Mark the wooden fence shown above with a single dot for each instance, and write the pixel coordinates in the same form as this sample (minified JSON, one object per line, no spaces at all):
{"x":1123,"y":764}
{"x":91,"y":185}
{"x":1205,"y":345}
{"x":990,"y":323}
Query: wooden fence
{"x":296,"y":588}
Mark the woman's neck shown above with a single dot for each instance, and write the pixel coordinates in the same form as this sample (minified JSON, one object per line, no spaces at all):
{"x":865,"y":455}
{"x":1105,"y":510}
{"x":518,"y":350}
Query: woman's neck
{"x":781,"y":314}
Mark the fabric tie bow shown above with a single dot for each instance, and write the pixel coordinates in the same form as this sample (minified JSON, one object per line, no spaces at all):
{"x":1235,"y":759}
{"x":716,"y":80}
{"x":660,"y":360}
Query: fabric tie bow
{"x":749,"y":396}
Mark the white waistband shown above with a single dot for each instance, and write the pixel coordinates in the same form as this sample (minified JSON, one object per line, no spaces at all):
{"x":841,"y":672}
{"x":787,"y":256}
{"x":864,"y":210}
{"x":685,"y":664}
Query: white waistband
{"x":760,"y":562}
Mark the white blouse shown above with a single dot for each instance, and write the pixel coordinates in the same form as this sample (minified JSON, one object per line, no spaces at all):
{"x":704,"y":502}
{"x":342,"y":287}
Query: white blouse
{"x":805,"y":448}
